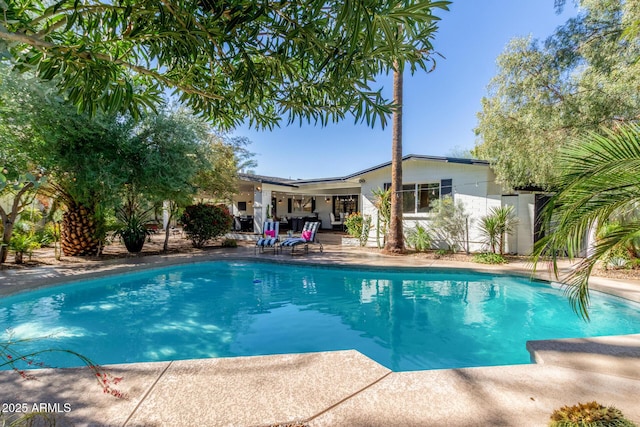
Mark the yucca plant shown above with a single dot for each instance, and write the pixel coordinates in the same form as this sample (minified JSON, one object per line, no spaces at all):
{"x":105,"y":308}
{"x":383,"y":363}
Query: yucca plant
{"x":489,"y":229}
{"x":599,"y":180}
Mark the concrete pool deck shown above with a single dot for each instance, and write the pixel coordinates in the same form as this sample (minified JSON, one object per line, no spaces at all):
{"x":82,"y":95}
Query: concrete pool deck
{"x":342,"y":388}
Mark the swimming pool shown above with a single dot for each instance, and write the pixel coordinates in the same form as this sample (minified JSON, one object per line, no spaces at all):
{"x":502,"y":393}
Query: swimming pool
{"x":403,"y":319}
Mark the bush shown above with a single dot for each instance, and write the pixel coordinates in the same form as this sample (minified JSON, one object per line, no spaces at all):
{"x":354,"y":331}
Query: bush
{"x":203,"y":222}
{"x":229,"y":243}
{"x":449,"y":223}
{"x":590,"y":414}
{"x":357,"y":226}
{"x":353,"y":224}
{"x":419,"y":238}
{"x":489,"y":258}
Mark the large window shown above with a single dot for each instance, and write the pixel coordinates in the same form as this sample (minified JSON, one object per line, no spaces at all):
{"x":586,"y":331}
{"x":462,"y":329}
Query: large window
{"x":427,"y":193}
{"x":417,"y":198}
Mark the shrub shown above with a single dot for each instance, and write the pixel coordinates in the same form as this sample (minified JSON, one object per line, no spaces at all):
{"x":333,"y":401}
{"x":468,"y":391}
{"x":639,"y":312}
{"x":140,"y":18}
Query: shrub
{"x":590,"y":414}
{"x":489,"y":258}
{"x":419,"y":238}
{"x":203,"y":222}
{"x":229,"y":243}
{"x":23,"y":243}
{"x":357,"y":226}
{"x":353,"y":224}
{"x":449,"y":224}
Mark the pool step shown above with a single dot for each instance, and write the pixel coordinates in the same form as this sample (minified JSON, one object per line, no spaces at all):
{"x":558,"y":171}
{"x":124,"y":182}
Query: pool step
{"x":613,"y":355}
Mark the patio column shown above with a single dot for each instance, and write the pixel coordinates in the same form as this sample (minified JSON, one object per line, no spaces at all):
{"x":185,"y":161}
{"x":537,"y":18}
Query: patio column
{"x":258,"y":212}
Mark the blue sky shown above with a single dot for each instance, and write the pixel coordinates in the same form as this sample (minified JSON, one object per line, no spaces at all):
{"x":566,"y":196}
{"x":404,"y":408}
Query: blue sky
{"x":439,"y":108}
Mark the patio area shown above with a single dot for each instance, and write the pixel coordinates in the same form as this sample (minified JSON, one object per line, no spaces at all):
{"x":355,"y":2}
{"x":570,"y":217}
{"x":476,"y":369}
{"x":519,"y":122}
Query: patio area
{"x":342,"y":388}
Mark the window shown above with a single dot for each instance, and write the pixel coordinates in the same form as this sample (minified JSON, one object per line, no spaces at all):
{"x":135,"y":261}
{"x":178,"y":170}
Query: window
{"x":409,"y":198}
{"x":427,"y":193}
{"x":345,"y":204}
{"x":417,"y":198}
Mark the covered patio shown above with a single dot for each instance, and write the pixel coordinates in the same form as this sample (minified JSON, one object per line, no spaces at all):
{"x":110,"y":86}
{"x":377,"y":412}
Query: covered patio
{"x":293,"y":203}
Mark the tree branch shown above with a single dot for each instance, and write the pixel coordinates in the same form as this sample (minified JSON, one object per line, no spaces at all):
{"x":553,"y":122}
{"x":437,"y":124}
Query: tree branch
{"x":48,"y":47}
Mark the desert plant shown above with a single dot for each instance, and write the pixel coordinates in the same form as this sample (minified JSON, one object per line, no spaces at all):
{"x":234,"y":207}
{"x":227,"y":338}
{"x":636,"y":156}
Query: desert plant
{"x":132,"y":226}
{"x":489,"y":258}
{"x":366,"y":227}
{"x":495,"y":227}
{"x":489,"y":230}
{"x":382,"y":202}
{"x":507,"y":221}
{"x":419,"y":238}
{"x":590,"y":414}
{"x":23,"y":243}
{"x":449,"y":223}
{"x":203,"y":222}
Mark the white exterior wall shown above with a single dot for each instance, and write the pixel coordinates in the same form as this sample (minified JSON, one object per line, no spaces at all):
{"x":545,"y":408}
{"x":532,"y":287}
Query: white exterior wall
{"x":526,"y":222}
{"x":471,"y":185}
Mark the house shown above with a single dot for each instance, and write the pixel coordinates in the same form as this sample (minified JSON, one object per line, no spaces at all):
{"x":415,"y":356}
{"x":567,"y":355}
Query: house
{"x":425,"y":178}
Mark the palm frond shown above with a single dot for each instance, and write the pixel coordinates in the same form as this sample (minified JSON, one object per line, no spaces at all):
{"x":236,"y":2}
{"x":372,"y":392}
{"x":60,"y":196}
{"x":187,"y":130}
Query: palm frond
{"x":599,"y":181}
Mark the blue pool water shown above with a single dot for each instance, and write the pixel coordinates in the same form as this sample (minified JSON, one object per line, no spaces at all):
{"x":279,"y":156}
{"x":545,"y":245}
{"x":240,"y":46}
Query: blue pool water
{"x":405,"y":320}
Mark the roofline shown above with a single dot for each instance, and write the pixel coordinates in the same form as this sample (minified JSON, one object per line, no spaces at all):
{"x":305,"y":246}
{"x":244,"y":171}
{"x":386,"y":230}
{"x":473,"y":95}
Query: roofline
{"x":422,"y":157}
{"x":266,"y":180}
{"x":296,"y":182}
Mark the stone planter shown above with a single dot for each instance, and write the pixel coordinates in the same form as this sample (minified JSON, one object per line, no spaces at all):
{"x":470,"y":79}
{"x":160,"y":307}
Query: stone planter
{"x":350,"y":241}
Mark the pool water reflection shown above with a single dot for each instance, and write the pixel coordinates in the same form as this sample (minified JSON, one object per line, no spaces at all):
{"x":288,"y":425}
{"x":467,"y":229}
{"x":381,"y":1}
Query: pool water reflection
{"x":405,"y":320}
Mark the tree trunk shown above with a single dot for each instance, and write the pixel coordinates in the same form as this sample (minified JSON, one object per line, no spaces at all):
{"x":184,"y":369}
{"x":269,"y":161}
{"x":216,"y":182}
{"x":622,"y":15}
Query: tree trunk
{"x":6,"y":238}
{"x":395,"y":242}
{"x":9,"y":219}
{"x":78,"y":233}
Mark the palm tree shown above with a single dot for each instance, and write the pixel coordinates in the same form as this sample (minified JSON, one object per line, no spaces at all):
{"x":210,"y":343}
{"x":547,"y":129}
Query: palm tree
{"x":599,"y":182}
{"x":395,"y":242}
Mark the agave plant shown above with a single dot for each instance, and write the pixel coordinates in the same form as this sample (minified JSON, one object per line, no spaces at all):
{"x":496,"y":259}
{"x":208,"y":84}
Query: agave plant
{"x":599,"y":181}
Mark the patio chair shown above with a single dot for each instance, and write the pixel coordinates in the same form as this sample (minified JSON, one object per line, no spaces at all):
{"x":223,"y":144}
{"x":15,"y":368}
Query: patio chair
{"x":335,"y":222}
{"x":309,"y":236}
{"x":270,"y":237}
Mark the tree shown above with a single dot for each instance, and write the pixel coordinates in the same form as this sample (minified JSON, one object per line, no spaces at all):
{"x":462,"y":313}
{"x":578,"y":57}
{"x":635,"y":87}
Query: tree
{"x":230,"y":61}
{"x":547,"y":93}
{"x":599,"y":180}
{"x":94,"y":163}
{"x":395,"y":241}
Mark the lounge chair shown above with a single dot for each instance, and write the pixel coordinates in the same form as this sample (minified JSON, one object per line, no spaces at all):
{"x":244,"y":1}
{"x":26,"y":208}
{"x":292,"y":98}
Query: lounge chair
{"x":270,"y":237}
{"x":308,"y":236}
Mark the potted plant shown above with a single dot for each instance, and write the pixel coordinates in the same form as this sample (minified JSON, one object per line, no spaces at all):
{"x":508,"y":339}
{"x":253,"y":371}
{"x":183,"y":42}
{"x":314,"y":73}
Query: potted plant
{"x":132,"y":227}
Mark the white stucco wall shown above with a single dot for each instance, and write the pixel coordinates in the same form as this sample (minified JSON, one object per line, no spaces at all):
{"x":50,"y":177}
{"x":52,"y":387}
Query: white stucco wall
{"x":473,"y":185}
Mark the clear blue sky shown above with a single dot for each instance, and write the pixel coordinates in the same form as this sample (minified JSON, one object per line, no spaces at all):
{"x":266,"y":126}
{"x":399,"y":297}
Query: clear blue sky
{"x":439,"y":108}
